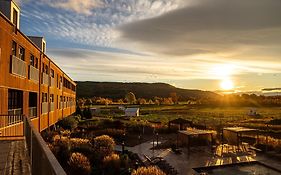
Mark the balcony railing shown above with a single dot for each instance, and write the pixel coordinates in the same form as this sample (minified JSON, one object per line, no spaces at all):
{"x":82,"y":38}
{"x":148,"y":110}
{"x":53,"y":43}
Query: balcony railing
{"x":52,"y":82}
{"x":33,"y":73}
{"x":17,"y":111}
{"x":52,"y":106}
{"x":42,"y":159}
{"x":32,"y":112}
{"x":18,"y":66}
{"x":61,"y":105}
{"x":45,"y":108}
{"x":45,"y":79}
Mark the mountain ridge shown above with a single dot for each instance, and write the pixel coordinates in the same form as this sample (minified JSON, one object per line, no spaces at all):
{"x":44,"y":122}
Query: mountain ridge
{"x":118,"y":90}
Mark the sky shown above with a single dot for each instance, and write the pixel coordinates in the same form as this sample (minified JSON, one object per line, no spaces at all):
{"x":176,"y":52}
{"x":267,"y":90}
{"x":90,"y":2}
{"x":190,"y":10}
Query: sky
{"x":192,"y":44}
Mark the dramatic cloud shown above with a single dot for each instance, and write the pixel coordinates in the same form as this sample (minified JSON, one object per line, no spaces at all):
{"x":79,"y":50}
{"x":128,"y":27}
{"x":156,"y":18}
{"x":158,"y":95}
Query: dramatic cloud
{"x":180,"y":42}
{"x":213,"y":26}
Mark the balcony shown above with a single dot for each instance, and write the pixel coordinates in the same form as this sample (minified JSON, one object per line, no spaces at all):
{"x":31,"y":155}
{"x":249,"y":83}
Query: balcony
{"x":61,"y":105}
{"x":32,"y":112}
{"x":18,"y":66}
{"x":27,"y":155}
{"x":33,"y":73}
{"x":45,"y":108}
{"x":52,"y":82}
{"x":52,"y":106}
{"x":45,"y":79}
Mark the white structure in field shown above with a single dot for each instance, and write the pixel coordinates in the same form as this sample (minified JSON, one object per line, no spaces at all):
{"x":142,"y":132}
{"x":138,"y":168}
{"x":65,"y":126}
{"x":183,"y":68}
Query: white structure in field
{"x":252,"y":112}
{"x":132,"y":112}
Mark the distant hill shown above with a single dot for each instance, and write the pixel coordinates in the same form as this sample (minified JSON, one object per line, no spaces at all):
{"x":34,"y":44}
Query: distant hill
{"x":115,"y":90}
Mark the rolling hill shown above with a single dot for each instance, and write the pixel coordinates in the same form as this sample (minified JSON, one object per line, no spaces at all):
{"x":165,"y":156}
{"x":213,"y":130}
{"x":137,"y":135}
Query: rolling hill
{"x":116,"y":90}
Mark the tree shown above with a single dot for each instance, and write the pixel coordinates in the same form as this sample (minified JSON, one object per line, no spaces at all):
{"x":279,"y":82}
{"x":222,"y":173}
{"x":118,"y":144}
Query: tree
{"x":131,"y":98}
{"x":151,"y":170}
{"x":174,"y":97}
{"x":88,"y":102}
{"x":141,"y":101}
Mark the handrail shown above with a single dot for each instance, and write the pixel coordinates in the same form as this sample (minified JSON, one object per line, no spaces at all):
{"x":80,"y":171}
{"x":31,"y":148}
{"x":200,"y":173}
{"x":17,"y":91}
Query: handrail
{"x":42,"y":159}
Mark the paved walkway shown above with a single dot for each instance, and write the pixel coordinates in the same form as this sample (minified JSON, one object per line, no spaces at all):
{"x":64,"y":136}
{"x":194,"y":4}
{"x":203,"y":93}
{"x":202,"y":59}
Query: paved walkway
{"x":183,"y":163}
{"x":13,"y":159}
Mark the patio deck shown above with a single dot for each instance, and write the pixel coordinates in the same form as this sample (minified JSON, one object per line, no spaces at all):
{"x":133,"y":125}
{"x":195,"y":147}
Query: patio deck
{"x":13,"y":158}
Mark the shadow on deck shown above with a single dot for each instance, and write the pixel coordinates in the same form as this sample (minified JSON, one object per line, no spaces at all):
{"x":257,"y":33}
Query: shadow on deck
{"x":14,"y":158}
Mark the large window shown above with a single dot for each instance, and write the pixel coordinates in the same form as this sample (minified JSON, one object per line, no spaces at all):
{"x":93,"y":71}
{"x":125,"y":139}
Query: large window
{"x":15,"y":99}
{"x":14,"y":48}
{"x":21,"y":53}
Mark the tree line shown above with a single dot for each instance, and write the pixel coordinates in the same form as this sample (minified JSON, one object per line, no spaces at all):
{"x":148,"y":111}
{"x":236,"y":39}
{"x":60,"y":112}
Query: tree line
{"x":173,"y":98}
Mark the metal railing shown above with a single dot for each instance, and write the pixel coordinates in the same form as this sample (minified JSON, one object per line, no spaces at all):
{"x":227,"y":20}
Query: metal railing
{"x":33,"y":73}
{"x":32,"y":112}
{"x":52,"y":82}
{"x":45,"y":106}
{"x":42,"y":160}
{"x":52,"y":106}
{"x":18,"y":66}
{"x":45,"y":79}
{"x":11,"y":125}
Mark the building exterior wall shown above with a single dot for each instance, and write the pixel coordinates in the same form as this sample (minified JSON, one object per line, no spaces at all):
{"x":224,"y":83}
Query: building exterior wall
{"x":12,"y":81}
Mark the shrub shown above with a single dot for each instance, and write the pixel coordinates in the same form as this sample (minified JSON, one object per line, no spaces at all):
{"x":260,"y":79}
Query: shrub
{"x":69,"y":123}
{"x":115,"y":133}
{"x":79,"y":144}
{"x":61,"y":148}
{"x":112,"y":163}
{"x":152,"y":170}
{"x":124,"y":161}
{"x":103,"y":145}
{"x":79,"y":164}
{"x":87,"y":113}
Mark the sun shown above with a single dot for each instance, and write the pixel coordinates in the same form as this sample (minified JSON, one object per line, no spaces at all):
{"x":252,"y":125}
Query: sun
{"x":226,"y":84}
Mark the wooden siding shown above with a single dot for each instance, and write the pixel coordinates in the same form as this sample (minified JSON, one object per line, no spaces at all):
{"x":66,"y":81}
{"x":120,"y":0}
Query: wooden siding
{"x":32,"y":81}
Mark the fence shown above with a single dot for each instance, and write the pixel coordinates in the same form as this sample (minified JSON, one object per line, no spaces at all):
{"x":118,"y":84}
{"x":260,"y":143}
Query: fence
{"x":32,"y":112}
{"x":11,"y":126}
{"x":42,"y":160}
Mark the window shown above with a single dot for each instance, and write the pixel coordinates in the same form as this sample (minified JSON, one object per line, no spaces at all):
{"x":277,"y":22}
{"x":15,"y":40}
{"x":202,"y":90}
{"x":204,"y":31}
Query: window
{"x":57,"y":80}
{"x":44,"y":47}
{"x":21,"y":53}
{"x":14,"y":48}
{"x":52,"y":73}
{"x":32,"y":60}
{"x":15,"y":99}
{"x":46,"y":69}
{"x":15,"y":17}
{"x":51,"y":98}
{"x":36,"y":63}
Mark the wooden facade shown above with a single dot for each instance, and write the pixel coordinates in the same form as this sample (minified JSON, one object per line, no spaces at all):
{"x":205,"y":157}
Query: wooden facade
{"x":31,"y":84}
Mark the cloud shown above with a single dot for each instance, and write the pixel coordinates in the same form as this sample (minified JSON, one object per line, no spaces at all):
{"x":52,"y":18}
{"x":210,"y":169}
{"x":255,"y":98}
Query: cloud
{"x":211,"y":26}
{"x":93,"y":22}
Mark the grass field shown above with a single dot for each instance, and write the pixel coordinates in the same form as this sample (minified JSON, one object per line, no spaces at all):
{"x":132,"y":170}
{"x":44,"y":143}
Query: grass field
{"x":212,"y":117}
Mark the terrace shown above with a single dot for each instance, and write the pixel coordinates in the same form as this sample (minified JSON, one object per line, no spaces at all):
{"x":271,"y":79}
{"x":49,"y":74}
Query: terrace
{"x":23,"y":150}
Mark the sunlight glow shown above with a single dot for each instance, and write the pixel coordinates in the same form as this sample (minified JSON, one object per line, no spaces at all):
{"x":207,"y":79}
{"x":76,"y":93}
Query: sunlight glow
{"x":226,"y":84}
{"x":223,"y":71}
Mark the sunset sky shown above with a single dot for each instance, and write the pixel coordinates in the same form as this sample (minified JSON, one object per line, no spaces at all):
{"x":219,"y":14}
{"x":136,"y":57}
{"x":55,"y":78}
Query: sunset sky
{"x":202,"y":44}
